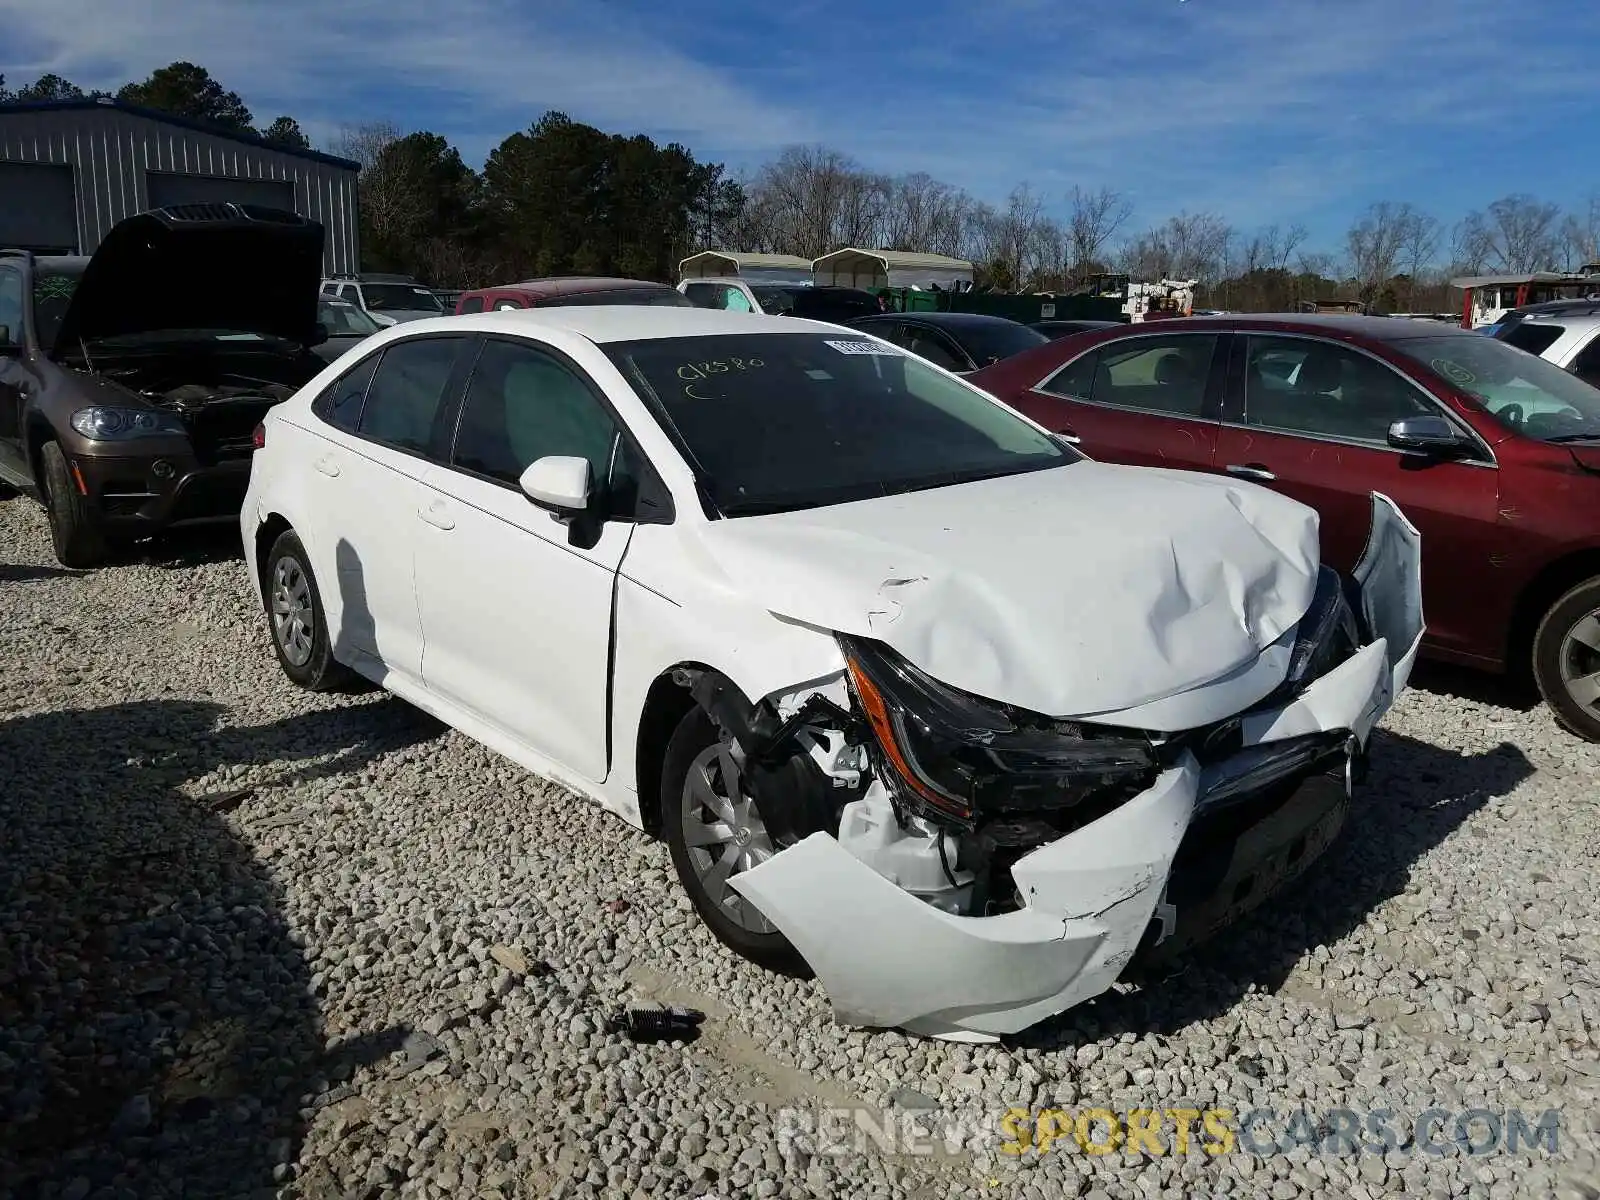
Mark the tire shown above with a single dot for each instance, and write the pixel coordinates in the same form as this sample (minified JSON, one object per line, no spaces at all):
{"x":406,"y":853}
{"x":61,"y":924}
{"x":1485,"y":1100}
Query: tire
{"x":296,"y":620}
{"x":79,"y":542}
{"x":1566,"y":660}
{"x":696,"y":749}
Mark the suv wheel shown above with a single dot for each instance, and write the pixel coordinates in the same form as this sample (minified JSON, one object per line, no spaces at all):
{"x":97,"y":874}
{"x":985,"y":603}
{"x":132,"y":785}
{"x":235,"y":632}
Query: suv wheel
{"x":714,"y":830}
{"x":79,"y":543}
{"x":1566,"y":660}
{"x":294,"y":612}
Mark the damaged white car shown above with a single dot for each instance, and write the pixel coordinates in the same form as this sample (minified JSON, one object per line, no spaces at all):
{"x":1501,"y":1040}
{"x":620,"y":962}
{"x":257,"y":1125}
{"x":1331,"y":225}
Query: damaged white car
{"x":920,"y":698}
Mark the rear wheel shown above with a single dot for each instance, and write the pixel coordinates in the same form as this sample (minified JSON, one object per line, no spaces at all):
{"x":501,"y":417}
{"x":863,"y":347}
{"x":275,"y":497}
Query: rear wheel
{"x":299,"y":626}
{"x":77,"y":538}
{"x":1566,"y":660}
{"x":715,"y":830}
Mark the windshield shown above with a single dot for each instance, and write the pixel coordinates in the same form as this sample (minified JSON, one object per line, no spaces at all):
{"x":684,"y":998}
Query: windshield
{"x":52,"y":291}
{"x":773,"y":422}
{"x":988,"y":343}
{"x":1523,"y":391}
{"x":775,"y":299}
{"x":399,"y":297}
{"x":342,"y":319}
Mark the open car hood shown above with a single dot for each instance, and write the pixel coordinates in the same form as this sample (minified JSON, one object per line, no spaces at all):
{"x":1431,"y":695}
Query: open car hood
{"x":234,"y":268}
{"x":1080,"y":590}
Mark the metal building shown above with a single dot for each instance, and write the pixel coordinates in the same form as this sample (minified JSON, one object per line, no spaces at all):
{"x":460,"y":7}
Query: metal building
{"x":71,"y":169}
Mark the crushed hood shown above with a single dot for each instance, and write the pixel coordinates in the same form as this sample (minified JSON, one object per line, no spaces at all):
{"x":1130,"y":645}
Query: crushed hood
{"x":217,"y":267}
{"x":1073,"y":591}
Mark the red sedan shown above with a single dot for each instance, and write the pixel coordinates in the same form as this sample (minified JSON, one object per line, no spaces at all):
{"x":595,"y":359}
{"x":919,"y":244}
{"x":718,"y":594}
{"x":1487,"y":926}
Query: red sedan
{"x":1492,"y":453}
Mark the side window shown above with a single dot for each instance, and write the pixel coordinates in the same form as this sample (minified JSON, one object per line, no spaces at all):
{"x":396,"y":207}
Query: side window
{"x":10,"y":307}
{"x":1075,"y":381}
{"x":1586,"y":366}
{"x":523,"y":405}
{"x":340,"y":403}
{"x":925,"y":343}
{"x":702,"y":294}
{"x":735,"y":301}
{"x":1165,"y":375}
{"x":506,"y":302}
{"x":406,"y":391}
{"x":471,"y":304}
{"x":1297,"y":385}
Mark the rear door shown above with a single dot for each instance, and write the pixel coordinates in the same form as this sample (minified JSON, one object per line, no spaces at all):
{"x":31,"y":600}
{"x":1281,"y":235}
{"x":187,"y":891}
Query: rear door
{"x":1310,"y":418}
{"x":1151,"y":400}
{"x":12,"y":376}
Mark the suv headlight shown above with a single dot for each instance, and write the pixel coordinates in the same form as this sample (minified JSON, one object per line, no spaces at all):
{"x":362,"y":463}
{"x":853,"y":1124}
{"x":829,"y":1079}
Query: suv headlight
{"x":955,"y":756}
{"x":106,"y":424}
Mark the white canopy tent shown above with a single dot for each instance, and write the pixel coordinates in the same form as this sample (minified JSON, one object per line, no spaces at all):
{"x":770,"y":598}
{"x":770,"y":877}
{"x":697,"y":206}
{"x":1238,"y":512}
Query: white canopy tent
{"x":851,"y":267}
{"x":752,"y":268}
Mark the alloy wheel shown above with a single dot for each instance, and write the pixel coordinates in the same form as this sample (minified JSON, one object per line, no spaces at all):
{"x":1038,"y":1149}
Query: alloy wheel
{"x":723,"y":833}
{"x":1580,"y":662}
{"x":293,"y":620}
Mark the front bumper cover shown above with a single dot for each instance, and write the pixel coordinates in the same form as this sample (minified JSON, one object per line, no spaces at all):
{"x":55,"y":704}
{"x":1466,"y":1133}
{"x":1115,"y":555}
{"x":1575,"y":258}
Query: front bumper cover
{"x":888,"y":958}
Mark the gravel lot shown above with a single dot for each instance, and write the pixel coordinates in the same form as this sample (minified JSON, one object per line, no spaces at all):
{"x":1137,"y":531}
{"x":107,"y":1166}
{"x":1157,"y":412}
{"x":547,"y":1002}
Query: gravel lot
{"x":255,"y":941}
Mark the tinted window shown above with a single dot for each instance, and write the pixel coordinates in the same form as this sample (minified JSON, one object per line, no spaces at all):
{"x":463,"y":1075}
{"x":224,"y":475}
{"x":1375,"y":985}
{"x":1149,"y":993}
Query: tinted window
{"x":1534,"y":397}
{"x":1156,"y":374}
{"x":344,"y":319}
{"x":933,"y":346}
{"x":11,"y":307}
{"x":471,"y":304}
{"x":384,"y":297}
{"x":1302,"y":386}
{"x":1533,"y":338}
{"x":703,"y":294}
{"x":1586,"y":365}
{"x":340,"y":404}
{"x":786,"y":421}
{"x":523,"y":405}
{"x":506,"y":302}
{"x":1075,"y":381}
{"x":988,"y":342}
{"x":404,"y":397}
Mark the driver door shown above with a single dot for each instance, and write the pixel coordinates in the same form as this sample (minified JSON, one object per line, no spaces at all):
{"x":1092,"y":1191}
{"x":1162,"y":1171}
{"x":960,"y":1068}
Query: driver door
{"x":1310,"y":418}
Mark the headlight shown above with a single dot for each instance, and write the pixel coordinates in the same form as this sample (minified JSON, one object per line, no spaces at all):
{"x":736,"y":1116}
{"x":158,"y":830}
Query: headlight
{"x":1327,"y":634}
{"x":959,"y":757}
{"x":102,"y":424}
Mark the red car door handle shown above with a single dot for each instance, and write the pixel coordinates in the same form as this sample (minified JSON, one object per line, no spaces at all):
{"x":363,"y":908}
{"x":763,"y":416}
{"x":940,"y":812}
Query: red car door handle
{"x":1251,"y":471}
{"x":1068,"y":435}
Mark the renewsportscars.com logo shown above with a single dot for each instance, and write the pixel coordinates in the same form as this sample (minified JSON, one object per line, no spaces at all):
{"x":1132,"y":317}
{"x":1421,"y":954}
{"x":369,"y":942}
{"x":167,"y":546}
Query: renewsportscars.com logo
{"x":1172,"y":1130}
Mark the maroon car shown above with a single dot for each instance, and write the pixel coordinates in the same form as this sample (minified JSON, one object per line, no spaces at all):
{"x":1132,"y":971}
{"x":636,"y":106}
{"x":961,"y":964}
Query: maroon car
{"x":570,"y":289}
{"x":1494,"y":454}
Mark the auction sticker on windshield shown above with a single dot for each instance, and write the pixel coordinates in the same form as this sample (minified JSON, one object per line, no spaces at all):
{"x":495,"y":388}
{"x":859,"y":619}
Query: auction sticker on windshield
{"x":863,"y":348}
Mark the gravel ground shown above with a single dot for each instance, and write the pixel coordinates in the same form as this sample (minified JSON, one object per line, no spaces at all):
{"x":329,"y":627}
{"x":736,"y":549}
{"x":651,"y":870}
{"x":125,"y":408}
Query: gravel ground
{"x":254,"y":941}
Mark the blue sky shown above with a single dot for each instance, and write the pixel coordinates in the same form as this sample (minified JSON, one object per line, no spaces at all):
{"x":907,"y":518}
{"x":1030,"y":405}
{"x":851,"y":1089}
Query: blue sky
{"x":1260,"y":110}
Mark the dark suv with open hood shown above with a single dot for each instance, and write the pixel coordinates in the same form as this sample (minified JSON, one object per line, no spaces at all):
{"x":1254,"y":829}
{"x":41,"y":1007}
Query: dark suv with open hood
{"x":132,"y":381}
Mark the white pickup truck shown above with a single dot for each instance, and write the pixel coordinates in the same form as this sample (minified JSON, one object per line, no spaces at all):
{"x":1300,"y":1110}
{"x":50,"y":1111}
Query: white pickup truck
{"x":735,"y":295}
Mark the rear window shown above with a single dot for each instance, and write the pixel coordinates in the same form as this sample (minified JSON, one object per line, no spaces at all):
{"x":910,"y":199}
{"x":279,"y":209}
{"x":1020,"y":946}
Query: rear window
{"x":1535,"y":339}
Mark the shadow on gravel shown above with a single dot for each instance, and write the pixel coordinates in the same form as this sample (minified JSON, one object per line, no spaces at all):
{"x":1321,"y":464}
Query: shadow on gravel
{"x":156,"y":1025}
{"x":1415,"y":796}
{"x":28,"y":573}
{"x":193,"y":546}
{"x":1501,"y":691}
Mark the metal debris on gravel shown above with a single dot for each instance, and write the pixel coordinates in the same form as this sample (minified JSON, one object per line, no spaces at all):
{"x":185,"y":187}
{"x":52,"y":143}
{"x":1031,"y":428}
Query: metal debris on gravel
{"x":258,"y":942}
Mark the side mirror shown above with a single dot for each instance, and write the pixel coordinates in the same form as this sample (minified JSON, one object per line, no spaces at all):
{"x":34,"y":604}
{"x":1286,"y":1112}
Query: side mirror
{"x":1429,"y":435}
{"x":558,"y":483}
{"x":319,"y":334}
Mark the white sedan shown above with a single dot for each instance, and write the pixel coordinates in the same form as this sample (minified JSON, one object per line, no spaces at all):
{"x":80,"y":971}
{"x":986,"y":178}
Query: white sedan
{"x":921,"y":699}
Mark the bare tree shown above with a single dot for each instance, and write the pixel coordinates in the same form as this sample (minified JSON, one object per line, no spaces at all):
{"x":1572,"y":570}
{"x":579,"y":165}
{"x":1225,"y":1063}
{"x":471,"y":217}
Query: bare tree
{"x":1514,"y":234}
{"x":1093,"y":219}
{"x":1376,"y":244}
{"x":1019,"y":231}
{"x":362,"y":144}
{"x":1580,"y":236}
{"x":1052,"y":252}
{"x":921,"y":213}
{"x":1187,"y":246}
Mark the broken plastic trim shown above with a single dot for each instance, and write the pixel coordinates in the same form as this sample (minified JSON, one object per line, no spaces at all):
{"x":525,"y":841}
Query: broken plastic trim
{"x":959,"y":757}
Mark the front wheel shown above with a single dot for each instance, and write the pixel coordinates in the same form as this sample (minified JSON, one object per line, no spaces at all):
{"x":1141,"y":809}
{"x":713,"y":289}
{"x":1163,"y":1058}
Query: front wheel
{"x":1566,"y":660}
{"x":714,"y":830}
{"x":299,"y":626}
{"x":74,"y":533}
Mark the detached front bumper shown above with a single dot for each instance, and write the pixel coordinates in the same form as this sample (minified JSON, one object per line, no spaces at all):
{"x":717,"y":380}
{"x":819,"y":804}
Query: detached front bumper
{"x":1191,"y":853}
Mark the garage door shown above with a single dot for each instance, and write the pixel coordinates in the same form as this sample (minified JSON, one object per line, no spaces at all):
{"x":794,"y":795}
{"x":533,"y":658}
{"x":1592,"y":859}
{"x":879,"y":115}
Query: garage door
{"x":166,"y":187}
{"x":38,"y":209}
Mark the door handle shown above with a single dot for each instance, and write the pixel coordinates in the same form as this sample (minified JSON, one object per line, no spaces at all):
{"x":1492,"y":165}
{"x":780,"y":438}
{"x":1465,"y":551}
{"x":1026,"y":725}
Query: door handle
{"x":329,"y":466}
{"x":1067,"y":435}
{"x":437,"y":515}
{"x":1251,"y":471}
